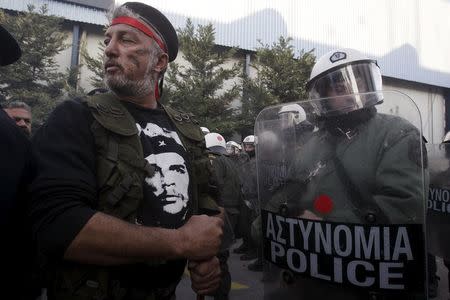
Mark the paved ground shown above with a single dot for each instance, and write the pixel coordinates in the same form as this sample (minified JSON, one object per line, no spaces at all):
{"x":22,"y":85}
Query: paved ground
{"x":247,"y":285}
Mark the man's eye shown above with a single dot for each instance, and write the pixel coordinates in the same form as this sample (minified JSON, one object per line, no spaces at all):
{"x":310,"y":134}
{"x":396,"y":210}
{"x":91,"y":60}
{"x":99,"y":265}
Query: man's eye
{"x":127,"y":40}
{"x":179,"y":168}
{"x":106,"y":42}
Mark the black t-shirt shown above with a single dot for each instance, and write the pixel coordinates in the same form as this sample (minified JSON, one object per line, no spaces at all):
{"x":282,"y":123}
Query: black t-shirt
{"x":166,"y":194}
{"x":65,"y":191}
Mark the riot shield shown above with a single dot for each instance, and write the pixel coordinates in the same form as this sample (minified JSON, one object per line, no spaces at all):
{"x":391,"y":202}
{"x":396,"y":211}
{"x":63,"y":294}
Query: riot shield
{"x":438,"y":217}
{"x":438,"y":201}
{"x":342,"y":200}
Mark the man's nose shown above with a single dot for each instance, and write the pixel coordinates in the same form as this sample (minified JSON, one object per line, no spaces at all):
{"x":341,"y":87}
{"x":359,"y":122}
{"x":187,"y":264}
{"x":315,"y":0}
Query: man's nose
{"x":167,"y":184}
{"x":111,"y":49}
{"x":21,"y":123}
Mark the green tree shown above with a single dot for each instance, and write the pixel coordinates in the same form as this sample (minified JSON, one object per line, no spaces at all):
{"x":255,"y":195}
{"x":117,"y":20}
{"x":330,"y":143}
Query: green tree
{"x":204,"y":85}
{"x":35,"y":78}
{"x":255,"y":98}
{"x":95,"y":65}
{"x":281,"y":77}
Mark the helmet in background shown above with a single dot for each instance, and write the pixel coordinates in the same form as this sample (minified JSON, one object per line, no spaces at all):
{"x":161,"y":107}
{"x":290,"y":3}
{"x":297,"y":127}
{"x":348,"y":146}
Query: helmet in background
{"x":204,"y":130}
{"x":233,"y":147}
{"x":446,"y":138}
{"x":291,"y":115}
{"x":250,"y":139}
{"x":214,"y":139}
{"x":249,"y":145}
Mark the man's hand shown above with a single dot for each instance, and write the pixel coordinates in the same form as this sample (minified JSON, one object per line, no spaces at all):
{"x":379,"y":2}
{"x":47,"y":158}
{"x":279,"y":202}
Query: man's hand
{"x":205,"y":275}
{"x":202,"y":236}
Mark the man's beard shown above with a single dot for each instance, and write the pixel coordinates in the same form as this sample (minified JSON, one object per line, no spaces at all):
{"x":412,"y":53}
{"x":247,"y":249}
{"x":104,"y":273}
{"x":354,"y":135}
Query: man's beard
{"x":123,"y":86}
{"x":26,"y":131}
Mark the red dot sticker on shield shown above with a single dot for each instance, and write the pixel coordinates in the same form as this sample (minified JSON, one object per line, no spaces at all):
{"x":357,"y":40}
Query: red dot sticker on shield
{"x":323,"y":204}
{"x":219,"y":138}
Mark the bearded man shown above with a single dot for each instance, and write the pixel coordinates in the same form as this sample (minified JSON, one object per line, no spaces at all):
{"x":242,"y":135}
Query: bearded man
{"x":120,"y":202}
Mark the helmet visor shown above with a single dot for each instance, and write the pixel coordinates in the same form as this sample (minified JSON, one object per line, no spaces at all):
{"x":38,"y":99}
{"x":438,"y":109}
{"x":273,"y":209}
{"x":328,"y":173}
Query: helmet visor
{"x":346,"y":89}
{"x":287,"y":119}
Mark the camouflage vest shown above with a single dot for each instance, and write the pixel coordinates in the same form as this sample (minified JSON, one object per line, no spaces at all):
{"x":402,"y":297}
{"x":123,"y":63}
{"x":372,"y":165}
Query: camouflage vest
{"x":121,"y":170}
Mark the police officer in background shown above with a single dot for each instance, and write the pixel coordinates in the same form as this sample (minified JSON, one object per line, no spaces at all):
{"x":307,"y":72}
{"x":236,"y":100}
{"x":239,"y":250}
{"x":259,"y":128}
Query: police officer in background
{"x":438,"y":220}
{"x":120,"y":202}
{"x":293,"y":118}
{"x":229,"y":188}
{"x":360,"y":166}
{"x":249,"y":208}
{"x":233,"y":148}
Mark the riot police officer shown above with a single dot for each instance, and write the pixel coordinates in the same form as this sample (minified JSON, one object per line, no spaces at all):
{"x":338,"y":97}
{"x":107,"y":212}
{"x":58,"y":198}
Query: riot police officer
{"x":360,"y":167}
{"x":226,"y":176}
{"x":247,"y":171}
{"x":233,"y":148}
{"x":438,"y":211}
{"x":250,"y":207}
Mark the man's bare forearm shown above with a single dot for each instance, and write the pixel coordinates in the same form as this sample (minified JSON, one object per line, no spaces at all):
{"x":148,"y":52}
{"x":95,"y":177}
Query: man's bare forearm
{"x":107,"y":240}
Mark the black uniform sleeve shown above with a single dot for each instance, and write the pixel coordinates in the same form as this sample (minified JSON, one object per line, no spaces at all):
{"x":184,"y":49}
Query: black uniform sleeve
{"x":64,"y":191}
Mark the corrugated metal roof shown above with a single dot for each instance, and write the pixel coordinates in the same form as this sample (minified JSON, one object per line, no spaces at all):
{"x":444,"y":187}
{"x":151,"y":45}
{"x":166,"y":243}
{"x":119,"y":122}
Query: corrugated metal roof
{"x":102,"y":4}
{"x":65,"y":10}
{"x":408,"y":37}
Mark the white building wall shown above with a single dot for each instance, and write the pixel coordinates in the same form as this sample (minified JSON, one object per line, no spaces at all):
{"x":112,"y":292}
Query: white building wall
{"x":90,"y":39}
{"x":430,"y":103}
{"x":63,"y":58}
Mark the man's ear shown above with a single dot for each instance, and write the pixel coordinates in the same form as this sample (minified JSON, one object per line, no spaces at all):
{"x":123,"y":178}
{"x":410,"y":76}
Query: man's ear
{"x":161,"y":65}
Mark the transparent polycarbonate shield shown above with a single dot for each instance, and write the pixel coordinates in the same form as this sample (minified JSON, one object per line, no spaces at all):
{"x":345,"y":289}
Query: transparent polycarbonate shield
{"x":438,"y":201}
{"x":342,"y":199}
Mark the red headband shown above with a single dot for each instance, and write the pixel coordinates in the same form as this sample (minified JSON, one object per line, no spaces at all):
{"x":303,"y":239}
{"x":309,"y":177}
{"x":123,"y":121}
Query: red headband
{"x":141,"y":27}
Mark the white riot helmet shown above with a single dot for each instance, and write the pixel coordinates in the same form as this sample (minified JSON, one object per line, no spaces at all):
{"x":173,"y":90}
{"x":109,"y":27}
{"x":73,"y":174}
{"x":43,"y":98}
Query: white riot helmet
{"x":214,"y":139}
{"x":233,"y":147}
{"x":291,"y":115}
{"x":204,"y":130}
{"x":250,"y":139}
{"x":249,"y":144}
{"x":446,"y":138}
{"x":340,"y":73}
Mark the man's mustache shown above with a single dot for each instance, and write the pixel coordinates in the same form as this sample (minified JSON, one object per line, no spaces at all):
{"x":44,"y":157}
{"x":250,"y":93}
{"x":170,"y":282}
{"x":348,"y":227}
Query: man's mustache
{"x":112,"y":63}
